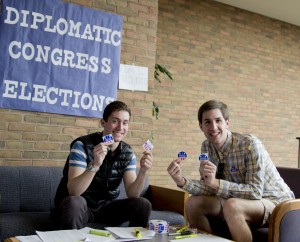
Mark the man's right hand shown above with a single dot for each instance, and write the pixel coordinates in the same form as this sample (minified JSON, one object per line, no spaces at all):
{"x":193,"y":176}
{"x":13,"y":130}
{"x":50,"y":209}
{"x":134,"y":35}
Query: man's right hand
{"x":174,"y":170}
{"x":99,"y":152}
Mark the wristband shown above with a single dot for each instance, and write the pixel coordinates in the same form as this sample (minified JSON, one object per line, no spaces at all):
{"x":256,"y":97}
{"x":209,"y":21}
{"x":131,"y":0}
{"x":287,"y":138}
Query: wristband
{"x":90,"y":167}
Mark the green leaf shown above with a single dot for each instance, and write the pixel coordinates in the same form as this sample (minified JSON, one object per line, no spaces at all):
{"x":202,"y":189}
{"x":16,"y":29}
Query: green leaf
{"x":157,"y":70}
{"x":161,"y":69}
{"x":155,"y":110}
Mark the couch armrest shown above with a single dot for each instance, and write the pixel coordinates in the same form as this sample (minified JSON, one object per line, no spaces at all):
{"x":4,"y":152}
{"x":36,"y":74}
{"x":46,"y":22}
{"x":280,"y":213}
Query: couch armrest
{"x":168,"y":199}
{"x":277,"y":216}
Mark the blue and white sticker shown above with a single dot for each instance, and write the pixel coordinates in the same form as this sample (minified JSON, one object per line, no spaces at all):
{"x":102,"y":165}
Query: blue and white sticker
{"x":108,"y":139}
{"x":148,"y":145}
{"x":203,"y":156}
{"x":182,"y":155}
{"x":159,"y":226}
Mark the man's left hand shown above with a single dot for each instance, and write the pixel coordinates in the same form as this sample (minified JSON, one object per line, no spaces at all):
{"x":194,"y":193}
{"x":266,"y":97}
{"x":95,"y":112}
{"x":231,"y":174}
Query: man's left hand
{"x":146,"y":161}
{"x":208,"y":169}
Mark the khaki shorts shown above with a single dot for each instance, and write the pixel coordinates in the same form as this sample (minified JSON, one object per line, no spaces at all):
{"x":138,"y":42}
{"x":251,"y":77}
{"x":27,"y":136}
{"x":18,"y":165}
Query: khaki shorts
{"x":268,"y":205}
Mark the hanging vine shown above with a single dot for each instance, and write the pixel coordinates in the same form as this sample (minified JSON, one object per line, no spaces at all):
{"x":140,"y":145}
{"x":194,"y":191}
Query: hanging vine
{"x":159,"y":69}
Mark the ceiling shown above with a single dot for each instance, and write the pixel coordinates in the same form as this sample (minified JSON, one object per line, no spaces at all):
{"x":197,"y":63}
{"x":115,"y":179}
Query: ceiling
{"x":284,"y":10}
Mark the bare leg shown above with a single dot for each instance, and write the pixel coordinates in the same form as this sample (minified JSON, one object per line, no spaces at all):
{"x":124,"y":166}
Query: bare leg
{"x":199,"y":208}
{"x":238,"y":213}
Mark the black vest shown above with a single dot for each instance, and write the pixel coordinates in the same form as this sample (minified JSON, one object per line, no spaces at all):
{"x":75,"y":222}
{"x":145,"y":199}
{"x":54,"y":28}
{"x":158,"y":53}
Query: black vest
{"x":106,"y":182}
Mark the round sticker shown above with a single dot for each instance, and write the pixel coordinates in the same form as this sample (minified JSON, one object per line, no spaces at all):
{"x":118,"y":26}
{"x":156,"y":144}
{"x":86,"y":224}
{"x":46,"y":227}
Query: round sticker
{"x":203,"y":156}
{"x":182,"y":155}
{"x":109,"y":139}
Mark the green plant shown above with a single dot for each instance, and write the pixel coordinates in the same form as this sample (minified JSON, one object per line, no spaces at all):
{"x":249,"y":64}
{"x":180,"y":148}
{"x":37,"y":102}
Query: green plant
{"x":159,"y":69}
{"x":155,"y":110}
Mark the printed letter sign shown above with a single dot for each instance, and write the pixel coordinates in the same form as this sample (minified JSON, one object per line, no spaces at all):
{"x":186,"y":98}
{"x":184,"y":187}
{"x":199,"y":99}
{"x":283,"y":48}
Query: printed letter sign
{"x":58,"y":57}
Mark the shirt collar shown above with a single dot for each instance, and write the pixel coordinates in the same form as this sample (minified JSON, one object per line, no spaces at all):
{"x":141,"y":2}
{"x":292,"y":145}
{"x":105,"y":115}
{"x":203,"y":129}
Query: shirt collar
{"x":227,"y":142}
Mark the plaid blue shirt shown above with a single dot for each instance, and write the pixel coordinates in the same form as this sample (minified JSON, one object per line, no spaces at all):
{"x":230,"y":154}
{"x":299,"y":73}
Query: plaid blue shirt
{"x":249,"y":172}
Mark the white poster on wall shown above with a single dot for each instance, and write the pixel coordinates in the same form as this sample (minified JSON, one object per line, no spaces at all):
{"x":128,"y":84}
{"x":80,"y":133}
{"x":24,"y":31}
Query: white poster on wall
{"x":134,"y":78}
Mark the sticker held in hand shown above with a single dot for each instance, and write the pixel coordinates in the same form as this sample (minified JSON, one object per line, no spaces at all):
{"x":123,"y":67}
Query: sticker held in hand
{"x":108,"y":139}
{"x":182,"y":155}
{"x":203,"y":156}
{"x":148,"y":145}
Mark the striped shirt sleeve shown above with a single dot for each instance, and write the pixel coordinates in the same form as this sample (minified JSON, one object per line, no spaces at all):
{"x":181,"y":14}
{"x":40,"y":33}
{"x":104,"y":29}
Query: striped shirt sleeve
{"x":77,"y":155}
{"x":132,"y":164}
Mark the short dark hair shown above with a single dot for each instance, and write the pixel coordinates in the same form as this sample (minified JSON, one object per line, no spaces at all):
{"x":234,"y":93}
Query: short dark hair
{"x":213,"y":104}
{"x":115,"y":106}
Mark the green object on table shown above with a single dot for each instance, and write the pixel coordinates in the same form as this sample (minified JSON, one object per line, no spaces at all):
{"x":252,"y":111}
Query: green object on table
{"x":101,"y":233}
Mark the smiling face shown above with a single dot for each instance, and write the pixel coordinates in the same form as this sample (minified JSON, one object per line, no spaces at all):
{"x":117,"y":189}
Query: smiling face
{"x":117,"y":124}
{"x":214,"y":127}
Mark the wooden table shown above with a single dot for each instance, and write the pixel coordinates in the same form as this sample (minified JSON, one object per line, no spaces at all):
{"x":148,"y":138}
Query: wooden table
{"x":156,"y":238}
{"x":11,"y":240}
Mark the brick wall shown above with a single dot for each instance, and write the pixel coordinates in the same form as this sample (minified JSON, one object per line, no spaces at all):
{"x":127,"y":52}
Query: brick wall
{"x":215,"y":51}
{"x":43,"y":139}
{"x":249,"y":61}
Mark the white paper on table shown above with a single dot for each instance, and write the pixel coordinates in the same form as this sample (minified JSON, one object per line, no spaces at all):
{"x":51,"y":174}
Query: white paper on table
{"x":128,"y":233}
{"x":202,"y":238}
{"x":73,"y":235}
{"x":96,"y":238}
{"x":29,"y":238}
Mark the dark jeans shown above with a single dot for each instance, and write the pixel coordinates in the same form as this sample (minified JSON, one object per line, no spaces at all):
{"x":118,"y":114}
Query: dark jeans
{"x":75,"y":213}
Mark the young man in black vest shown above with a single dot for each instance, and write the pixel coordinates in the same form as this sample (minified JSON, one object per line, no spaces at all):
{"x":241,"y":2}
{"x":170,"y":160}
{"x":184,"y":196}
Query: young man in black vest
{"x":93,"y":172}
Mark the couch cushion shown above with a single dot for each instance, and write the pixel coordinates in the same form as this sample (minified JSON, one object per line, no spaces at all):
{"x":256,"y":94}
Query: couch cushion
{"x":260,"y":235}
{"x":25,"y":189}
{"x":171,"y":217}
{"x":122,"y":187}
{"x":9,"y":190}
{"x":289,"y":225}
{"x":25,"y":223}
{"x":291,"y":178}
